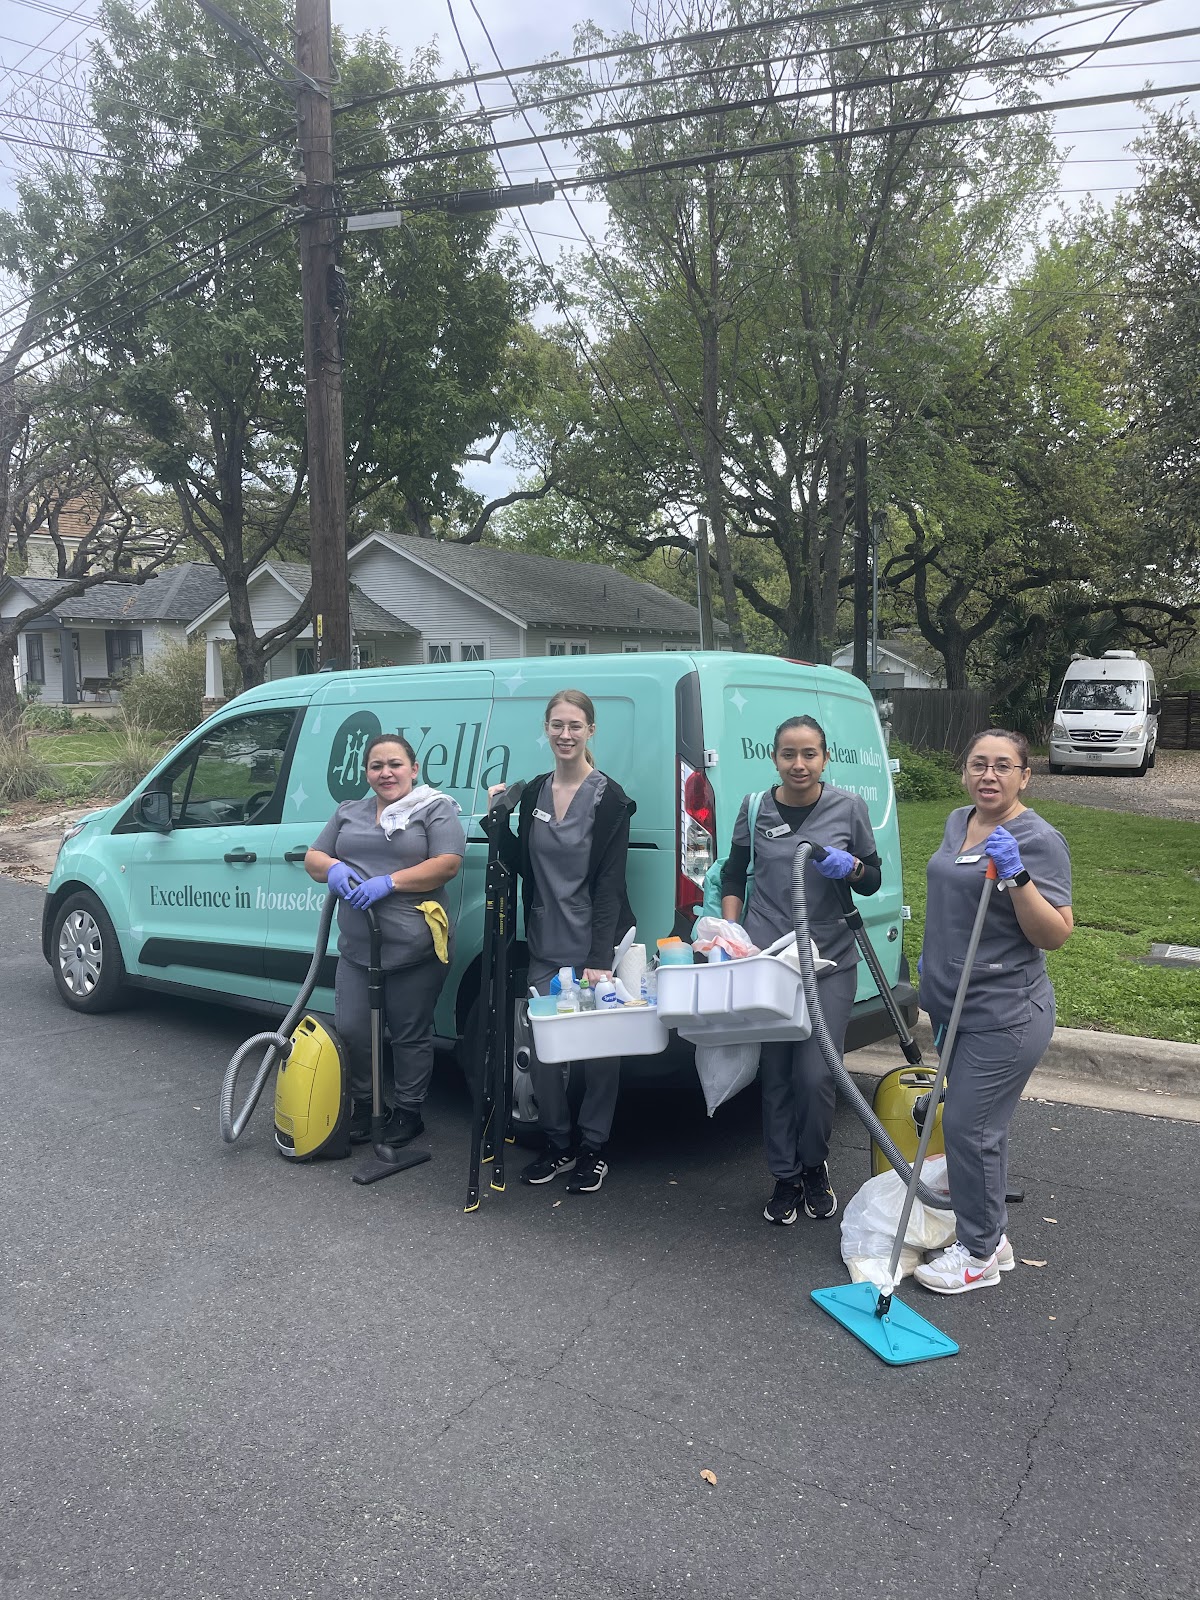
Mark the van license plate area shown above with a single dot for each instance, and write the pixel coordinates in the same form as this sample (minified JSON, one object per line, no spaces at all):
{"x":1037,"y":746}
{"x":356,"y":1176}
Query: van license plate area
{"x":1094,"y":755}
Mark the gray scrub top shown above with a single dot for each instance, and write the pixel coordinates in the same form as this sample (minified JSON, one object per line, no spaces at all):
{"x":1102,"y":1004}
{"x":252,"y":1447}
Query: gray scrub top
{"x":352,"y":835}
{"x":1009,"y":975}
{"x":838,"y":819}
{"x":560,"y":919}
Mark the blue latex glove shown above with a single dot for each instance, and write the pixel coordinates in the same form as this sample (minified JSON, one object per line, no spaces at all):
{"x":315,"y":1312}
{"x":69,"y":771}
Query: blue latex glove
{"x":920,"y":959}
{"x":341,"y":880}
{"x":367,"y":893}
{"x":1004,"y":851}
{"x":836,"y":863}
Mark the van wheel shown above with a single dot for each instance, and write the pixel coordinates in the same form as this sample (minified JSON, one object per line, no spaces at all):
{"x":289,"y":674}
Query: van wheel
{"x":1056,"y":769}
{"x":1152,"y":757}
{"x":89,"y":970}
{"x":525,"y":1127}
{"x":1140,"y":771}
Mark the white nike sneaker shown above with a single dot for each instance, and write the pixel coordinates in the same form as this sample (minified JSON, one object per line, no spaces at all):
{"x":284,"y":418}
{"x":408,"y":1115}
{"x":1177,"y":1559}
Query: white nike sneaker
{"x":1005,"y":1259}
{"x":956,"y":1270}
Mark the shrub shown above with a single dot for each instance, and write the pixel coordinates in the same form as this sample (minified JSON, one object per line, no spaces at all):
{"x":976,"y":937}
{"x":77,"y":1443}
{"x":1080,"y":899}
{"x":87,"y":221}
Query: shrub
{"x":80,"y":784}
{"x":47,"y":719}
{"x":926,"y":774}
{"x":137,"y":748}
{"x":169,"y":694}
{"x":24,"y":771}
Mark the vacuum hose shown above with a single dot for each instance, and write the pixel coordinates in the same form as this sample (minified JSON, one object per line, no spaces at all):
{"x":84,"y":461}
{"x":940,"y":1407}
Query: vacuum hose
{"x":821,"y":1033}
{"x":278,"y":1044}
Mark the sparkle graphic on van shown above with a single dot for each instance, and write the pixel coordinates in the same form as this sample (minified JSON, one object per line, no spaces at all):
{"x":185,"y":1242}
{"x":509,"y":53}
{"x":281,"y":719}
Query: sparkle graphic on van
{"x":738,"y":700}
{"x":299,"y":796}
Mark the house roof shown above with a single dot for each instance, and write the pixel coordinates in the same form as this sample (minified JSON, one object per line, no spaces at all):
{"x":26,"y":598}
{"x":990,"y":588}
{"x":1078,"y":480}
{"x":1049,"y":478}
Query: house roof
{"x":915,"y":651}
{"x":548,"y":592}
{"x":177,"y":594}
{"x":367,"y":615}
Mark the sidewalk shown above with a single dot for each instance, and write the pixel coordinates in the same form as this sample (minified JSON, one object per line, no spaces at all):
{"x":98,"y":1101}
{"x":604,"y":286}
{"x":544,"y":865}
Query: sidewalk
{"x":1114,"y":1071}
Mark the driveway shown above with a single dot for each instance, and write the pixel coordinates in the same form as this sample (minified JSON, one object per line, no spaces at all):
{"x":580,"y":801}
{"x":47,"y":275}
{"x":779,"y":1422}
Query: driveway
{"x":226,"y":1376}
{"x":1171,"y":788}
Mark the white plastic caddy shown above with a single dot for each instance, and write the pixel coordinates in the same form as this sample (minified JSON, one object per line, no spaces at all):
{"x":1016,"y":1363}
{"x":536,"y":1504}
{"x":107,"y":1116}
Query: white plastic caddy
{"x":591,"y":1035}
{"x":753,"y":1000}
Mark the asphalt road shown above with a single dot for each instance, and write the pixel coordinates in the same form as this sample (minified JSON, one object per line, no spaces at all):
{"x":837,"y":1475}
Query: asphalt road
{"x":223,"y":1376}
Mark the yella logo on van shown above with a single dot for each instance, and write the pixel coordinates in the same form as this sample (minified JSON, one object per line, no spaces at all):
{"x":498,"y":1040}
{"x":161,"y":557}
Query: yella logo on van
{"x":346,"y":779}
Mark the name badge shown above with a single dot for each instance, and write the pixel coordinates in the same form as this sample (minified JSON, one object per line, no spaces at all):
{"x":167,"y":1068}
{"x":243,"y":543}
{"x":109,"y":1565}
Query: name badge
{"x":544,"y":816}
{"x":964,"y":861}
{"x":776,"y":833}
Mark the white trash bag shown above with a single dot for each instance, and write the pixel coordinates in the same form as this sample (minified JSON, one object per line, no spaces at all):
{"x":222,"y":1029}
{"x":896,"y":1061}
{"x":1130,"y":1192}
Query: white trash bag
{"x":871,"y":1217}
{"x":725,"y":1070}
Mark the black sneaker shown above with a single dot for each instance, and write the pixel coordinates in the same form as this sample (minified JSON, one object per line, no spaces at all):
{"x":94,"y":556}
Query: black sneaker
{"x":819,"y":1199}
{"x":591,"y":1169}
{"x":360,"y":1121}
{"x":547,"y":1167}
{"x":401,"y":1128}
{"x":781,"y":1207}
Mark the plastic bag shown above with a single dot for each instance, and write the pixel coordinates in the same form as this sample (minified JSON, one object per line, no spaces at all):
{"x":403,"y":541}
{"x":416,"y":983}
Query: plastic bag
{"x":790,"y":959}
{"x":725,"y":1070}
{"x":714,"y":933}
{"x":871,"y":1217}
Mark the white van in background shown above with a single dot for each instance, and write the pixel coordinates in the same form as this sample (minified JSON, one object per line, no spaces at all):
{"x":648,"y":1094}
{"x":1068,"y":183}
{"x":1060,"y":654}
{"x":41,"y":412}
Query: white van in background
{"x":1106,"y":716}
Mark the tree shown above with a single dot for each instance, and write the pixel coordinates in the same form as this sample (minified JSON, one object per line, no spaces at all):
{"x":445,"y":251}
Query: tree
{"x":170,"y":259}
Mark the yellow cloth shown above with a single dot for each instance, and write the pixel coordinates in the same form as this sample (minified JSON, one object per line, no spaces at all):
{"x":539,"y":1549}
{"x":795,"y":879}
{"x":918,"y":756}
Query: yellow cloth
{"x":439,"y":927}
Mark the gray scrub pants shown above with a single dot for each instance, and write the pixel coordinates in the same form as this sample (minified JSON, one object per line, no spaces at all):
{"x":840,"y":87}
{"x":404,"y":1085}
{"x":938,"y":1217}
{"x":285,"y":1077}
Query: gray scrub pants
{"x":799,"y":1095}
{"x":409,"y":996}
{"x":987,"y":1074}
{"x":601,"y":1080}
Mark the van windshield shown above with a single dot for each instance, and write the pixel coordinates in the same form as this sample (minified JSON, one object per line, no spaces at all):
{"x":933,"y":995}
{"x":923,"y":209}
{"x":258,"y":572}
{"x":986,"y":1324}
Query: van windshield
{"x":1101,"y":694}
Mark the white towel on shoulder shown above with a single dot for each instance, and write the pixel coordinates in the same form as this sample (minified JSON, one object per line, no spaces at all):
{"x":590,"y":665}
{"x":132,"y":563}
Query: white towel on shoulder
{"x":400,"y":813}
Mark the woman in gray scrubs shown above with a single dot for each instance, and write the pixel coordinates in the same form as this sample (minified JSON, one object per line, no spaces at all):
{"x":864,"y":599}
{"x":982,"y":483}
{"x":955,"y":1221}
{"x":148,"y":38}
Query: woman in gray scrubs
{"x":1008,"y":1015}
{"x":798,"y":1092}
{"x":570,"y":850}
{"x":395,"y":849}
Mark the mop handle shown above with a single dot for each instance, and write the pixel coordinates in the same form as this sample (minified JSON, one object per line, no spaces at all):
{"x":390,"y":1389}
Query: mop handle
{"x":943,"y":1067}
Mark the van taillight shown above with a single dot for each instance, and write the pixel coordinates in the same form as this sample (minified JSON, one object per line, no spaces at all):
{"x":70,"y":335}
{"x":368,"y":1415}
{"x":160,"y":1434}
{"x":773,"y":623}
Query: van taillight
{"x":697,"y":837}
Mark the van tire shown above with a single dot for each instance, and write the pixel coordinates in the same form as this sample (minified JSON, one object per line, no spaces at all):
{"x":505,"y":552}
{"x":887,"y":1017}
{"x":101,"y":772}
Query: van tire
{"x":85,"y":956}
{"x":528,"y":1134}
{"x":1152,"y":757}
{"x":1056,"y":768}
{"x":1140,"y":771}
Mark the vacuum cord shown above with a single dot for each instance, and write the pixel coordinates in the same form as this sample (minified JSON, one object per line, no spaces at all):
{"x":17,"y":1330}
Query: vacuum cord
{"x":278,"y":1044}
{"x":821,"y":1033}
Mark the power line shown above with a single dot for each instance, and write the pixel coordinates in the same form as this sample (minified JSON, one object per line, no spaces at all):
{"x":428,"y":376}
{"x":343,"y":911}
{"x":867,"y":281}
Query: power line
{"x":855,"y":86}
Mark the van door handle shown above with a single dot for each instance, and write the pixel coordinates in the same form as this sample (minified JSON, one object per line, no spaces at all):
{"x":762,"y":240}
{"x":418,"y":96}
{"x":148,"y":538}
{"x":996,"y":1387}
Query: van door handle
{"x":240,"y":855}
{"x":296,"y":855}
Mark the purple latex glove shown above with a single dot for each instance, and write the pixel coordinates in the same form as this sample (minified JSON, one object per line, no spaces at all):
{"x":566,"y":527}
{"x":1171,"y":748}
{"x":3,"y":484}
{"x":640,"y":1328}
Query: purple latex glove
{"x":835,"y":863}
{"x":1004,"y":851}
{"x":367,"y":893}
{"x":341,"y":880}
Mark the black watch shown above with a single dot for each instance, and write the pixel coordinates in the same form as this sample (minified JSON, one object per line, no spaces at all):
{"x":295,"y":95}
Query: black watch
{"x":1017,"y":881}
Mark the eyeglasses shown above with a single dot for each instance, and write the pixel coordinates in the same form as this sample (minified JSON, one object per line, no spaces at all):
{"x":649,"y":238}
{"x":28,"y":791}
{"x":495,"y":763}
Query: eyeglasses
{"x":1003,"y":768}
{"x":567,"y":727}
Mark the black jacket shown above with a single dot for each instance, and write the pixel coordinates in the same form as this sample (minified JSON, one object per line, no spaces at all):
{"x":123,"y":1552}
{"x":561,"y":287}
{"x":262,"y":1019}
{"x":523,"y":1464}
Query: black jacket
{"x":612,"y":915}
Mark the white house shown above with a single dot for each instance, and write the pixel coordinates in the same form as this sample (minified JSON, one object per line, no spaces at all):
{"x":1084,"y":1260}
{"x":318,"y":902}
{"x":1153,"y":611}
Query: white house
{"x":903,"y":664}
{"x":415,"y":600}
{"x":85,"y":645}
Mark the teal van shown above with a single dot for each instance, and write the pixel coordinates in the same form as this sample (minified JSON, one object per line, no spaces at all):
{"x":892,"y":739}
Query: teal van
{"x":195,"y":884}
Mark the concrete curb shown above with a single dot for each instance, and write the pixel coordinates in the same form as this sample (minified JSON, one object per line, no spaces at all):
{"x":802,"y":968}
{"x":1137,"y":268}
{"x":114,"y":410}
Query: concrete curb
{"x":1161,"y":1066}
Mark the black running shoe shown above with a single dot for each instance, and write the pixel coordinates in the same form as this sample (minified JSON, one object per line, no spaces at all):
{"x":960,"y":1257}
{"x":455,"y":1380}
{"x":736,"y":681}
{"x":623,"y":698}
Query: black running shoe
{"x":401,"y":1128}
{"x":781,"y":1207}
{"x":360,"y":1121}
{"x":591,"y":1169}
{"x":819,"y":1199}
{"x":547,"y":1167}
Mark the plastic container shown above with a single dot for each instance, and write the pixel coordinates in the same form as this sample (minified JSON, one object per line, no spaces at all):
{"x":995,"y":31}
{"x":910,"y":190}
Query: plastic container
{"x":589,"y":1035}
{"x":734,"y":1002}
{"x":543,"y":1005}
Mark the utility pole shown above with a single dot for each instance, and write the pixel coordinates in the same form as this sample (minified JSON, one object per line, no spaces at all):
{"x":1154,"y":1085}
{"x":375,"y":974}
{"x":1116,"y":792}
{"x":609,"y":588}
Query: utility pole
{"x":322,"y":289}
{"x":704,"y":585}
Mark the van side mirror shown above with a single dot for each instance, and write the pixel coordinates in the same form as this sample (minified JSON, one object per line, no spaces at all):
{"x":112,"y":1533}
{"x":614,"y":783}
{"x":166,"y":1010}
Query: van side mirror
{"x":154,"y":810}
{"x":1155,"y":707}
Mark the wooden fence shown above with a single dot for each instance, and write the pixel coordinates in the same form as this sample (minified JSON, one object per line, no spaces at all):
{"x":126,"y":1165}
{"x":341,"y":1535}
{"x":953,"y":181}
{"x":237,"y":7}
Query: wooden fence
{"x":939,"y":719}
{"x":1179,"y":722}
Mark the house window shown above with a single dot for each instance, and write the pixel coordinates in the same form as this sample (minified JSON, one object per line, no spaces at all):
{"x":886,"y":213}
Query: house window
{"x":631,"y":647}
{"x":124,"y":648}
{"x":364,"y":653}
{"x":306,"y":659}
{"x":439,"y":653}
{"x":35,"y":659}
{"x":473,"y":652}
{"x":566,"y":647}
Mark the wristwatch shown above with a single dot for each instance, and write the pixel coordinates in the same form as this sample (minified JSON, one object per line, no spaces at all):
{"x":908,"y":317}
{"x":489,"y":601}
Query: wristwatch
{"x":1017,"y":881}
{"x":856,"y":871}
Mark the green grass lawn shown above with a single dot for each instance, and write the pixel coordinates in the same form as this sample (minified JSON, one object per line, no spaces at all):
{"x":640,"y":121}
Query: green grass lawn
{"x":69,"y":749}
{"x":1136,"y":882}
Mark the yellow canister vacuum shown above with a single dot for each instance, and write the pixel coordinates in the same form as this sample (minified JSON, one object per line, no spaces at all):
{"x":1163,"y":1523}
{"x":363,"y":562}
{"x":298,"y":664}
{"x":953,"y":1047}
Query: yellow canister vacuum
{"x":312,"y":1087}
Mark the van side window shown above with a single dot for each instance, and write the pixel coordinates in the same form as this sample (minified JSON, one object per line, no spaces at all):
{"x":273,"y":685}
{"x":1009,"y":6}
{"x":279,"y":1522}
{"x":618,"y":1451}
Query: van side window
{"x":233,"y":774}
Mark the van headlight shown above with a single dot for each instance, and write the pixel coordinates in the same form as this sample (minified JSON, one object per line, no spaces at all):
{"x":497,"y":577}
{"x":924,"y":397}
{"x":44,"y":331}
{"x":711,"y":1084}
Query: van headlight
{"x":73,"y":830}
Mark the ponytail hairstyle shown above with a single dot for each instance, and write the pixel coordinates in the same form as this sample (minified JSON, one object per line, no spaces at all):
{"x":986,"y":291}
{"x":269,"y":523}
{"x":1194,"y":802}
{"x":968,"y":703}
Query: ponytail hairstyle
{"x":799,"y":722}
{"x":580,"y":702}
